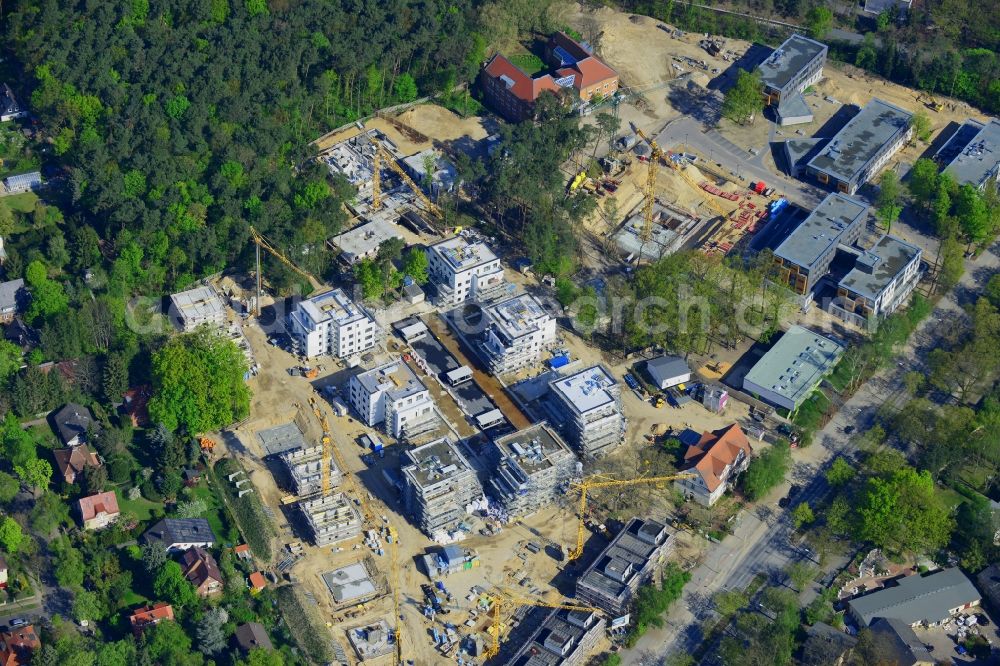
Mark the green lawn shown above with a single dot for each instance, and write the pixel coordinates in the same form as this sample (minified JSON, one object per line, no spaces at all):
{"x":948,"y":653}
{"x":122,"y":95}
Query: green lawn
{"x":141,"y":507}
{"x":216,"y":514}
{"x":528,"y":63}
{"x":810,"y":413}
{"x":21,"y":203}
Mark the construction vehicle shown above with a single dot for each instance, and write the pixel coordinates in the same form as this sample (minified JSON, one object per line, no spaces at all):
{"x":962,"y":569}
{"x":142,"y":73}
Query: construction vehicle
{"x":383,"y":155}
{"x":600,"y":482}
{"x":263,"y":243}
{"x":310,"y":372}
{"x":658,"y":401}
{"x":931,"y":103}
{"x":502,"y":599}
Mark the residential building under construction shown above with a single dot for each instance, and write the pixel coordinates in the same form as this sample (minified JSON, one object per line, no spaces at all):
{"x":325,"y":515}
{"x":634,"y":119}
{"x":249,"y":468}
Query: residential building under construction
{"x":461,"y":270}
{"x":440,"y":486}
{"x":332,"y":324}
{"x":564,"y":638}
{"x":531,"y":468}
{"x":331,"y":518}
{"x":392,"y":394}
{"x":632,"y":557}
{"x":517,"y":331}
{"x":305,"y":468}
{"x":591,"y":402}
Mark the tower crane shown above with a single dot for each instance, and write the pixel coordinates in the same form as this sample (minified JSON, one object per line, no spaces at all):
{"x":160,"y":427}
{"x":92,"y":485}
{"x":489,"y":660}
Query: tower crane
{"x":368,"y":517}
{"x":591,"y":484}
{"x":263,"y":243}
{"x":503,"y":599}
{"x":383,"y":155}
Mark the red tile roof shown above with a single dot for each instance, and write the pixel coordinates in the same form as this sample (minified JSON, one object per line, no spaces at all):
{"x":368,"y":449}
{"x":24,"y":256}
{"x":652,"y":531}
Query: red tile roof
{"x":145,"y":615}
{"x":592,"y":71}
{"x":715,"y":451}
{"x":524,"y":87}
{"x":17,"y":645}
{"x":72,"y":461}
{"x":91,"y":506}
{"x":257,"y":581}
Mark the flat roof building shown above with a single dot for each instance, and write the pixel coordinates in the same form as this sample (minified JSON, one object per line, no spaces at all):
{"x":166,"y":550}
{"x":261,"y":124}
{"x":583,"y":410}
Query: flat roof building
{"x":972,"y":154}
{"x":611,"y":580}
{"x":805,"y":255}
{"x":198,"y":306}
{"x":392,"y":394}
{"x":332,"y":324}
{"x":881,"y":280}
{"x":462,"y":270}
{"x":442,"y":176}
{"x":305,"y":467}
{"x":787,"y":72}
{"x":790,"y":370}
{"x":351,"y":584}
{"x":531,"y":466}
{"x":517,"y":331}
{"x":862,"y":147}
{"x":331,"y":518}
{"x":372,"y":640}
{"x":592,"y":402}
{"x":440,"y":485}
{"x":364,"y":240}
{"x":563,"y":638}
{"x":917,"y":599}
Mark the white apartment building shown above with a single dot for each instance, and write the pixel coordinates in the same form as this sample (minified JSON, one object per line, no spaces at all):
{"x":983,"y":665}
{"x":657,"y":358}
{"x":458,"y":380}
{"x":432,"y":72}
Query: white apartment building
{"x":393,"y":395}
{"x":332,"y":324}
{"x":440,"y":484}
{"x":591,"y":402}
{"x":198,"y":306}
{"x":517,"y":330}
{"x":462,"y":270}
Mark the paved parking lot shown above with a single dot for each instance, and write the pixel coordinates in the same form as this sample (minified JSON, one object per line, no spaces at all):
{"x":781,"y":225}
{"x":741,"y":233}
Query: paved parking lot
{"x":942,"y":641}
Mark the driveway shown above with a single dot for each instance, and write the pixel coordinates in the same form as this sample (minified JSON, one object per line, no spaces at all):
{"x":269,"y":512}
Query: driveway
{"x":762,"y":545}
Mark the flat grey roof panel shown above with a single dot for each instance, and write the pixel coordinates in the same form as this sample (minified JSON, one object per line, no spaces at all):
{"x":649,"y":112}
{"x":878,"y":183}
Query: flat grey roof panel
{"x":889,"y":256}
{"x":860,"y":140}
{"x":788,"y":60}
{"x":977,"y":160}
{"x":822,"y":229}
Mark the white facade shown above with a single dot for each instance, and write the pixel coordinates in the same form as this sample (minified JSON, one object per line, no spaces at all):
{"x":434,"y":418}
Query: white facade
{"x":332,"y":324}
{"x":198,"y":306}
{"x":393,"y":395}
{"x":591,"y":401}
{"x":518,"y":329}
{"x":463,"y":271}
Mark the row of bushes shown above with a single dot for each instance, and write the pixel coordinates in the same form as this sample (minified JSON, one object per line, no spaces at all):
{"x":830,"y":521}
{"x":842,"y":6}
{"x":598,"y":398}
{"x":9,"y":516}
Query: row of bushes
{"x":305,"y":627}
{"x":248,"y":511}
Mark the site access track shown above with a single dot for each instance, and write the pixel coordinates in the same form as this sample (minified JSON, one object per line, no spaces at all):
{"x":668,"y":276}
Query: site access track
{"x":763,"y":546}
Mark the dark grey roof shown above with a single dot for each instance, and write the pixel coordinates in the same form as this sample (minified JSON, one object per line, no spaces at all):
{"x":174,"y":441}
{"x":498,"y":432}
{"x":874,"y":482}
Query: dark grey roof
{"x":879,"y":266}
{"x":8,"y":103}
{"x":179,"y":530}
{"x":802,"y":150}
{"x":252,"y":635}
{"x":854,"y":147}
{"x":12,"y":294}
{"x":976,"y":161}
{"x":789,"y":59}
{"x":917,"y":598}
{"x":823,"y":228}
{"x":73,"y":420}
{"x":906,"y":646}
{"x":666,"y":367}
{"x":794,"y":106}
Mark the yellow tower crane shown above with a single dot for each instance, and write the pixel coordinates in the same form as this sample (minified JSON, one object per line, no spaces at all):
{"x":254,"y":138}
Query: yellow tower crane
{"x":330,"y":450}
{"x":263,"y":243}
{"x":503,"y":599}
{"x":588,"y":485}
{"x":383,"y":155}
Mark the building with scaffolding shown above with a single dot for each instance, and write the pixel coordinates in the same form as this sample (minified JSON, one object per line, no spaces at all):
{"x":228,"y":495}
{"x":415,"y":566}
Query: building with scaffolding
{"x":305,"y":468}
{"x":530,"y":469}
{"x":373,"y":640}
{"x":517,"y":331}
{"x":354,"y":159}
{"x":331,"y":518}
{"x":332,"y":324}
{"x":392,"y":394}
{"x":592,"y":404}
{"x":563,"y":638}
{"x":461,"y":270}
{"x":441,"y":486}
{"x":197,"y":306}
{"x":632,"y":557}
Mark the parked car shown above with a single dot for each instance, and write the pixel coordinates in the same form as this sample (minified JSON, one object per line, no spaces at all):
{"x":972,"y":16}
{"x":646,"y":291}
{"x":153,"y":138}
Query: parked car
{"x":18,"y":622}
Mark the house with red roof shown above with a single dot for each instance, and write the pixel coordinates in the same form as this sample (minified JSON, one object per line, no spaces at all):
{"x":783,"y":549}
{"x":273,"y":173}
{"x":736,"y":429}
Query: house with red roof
{"x":144,"y":616}
{"x":716,"y":459}
{"x":18,"y":645}
{"x":98,"y":511}
{"x":256,"y":582}
{"x":572,"y":64}
{"x":70,"y":462}
{"x":201,"y":569}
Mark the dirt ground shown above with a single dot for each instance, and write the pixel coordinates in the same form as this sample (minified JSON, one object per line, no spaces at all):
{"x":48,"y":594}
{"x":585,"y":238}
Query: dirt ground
{"x":436,"y":122}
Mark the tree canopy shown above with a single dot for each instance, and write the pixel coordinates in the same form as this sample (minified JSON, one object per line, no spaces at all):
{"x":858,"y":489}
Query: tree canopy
{"x":198,"y":383}
{"x":745,"y":99}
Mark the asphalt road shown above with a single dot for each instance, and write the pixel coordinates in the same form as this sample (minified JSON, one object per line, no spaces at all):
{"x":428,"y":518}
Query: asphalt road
{"x":685,"y":130}
{"x":762,"y":546}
